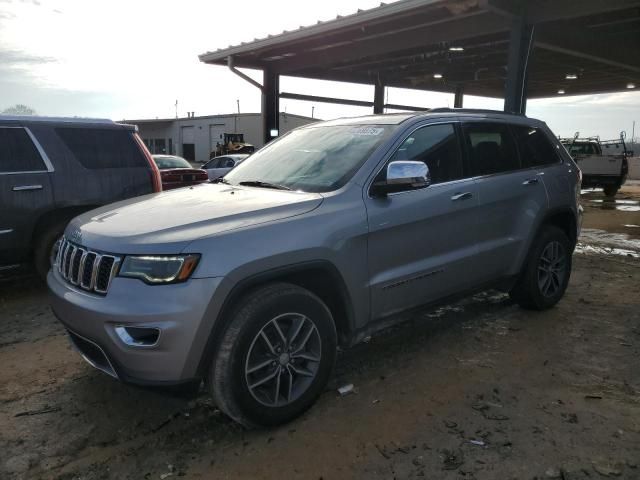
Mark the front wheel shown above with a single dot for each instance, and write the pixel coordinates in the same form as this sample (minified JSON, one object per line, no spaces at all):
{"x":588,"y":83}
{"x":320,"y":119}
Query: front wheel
{"x":546,"y":273}
{"x":46,"y":248}
{"x":275,"y":357}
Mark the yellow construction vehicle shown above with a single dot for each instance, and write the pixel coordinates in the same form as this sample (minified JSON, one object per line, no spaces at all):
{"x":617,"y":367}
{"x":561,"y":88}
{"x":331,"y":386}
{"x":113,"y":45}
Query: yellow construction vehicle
{"x":232,"y":143}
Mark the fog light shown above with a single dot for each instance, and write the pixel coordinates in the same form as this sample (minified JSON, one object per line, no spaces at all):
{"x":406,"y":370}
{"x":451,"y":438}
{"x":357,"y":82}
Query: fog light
{"x":138,"y":336}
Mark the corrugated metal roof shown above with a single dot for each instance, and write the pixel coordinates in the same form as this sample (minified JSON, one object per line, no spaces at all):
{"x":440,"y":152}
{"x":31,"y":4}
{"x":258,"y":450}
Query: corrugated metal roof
{"x":407,"y":44}
{"x":356,"y":18}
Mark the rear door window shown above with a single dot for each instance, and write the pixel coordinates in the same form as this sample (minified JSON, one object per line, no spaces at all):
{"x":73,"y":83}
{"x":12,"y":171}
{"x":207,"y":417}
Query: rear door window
{"x":98,"y":148}
{"x":438,"y":147}
{"x":534,"y":146}
{"x":18,"y":153}
{"x":491,"y":148}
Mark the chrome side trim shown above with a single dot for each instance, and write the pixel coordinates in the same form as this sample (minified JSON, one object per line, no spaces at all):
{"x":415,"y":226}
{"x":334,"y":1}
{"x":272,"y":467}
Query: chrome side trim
{"x":22,"y":188}
{"x":41,"y":151}
{"x":8,"y":230}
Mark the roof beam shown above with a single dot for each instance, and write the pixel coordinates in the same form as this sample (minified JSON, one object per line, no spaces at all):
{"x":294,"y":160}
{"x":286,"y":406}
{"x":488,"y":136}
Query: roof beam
{"x":578,"y":43}
{"x":344,"y":101}
{"x":553,"y":10}
{"x":456,"y":28}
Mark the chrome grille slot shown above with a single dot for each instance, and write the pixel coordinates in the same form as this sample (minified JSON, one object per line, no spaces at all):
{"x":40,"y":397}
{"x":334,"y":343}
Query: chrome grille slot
{"x":105,"y":272}
{"x":87,"y":269}
{"x":67,"y":258}
{"x":74,"y":269}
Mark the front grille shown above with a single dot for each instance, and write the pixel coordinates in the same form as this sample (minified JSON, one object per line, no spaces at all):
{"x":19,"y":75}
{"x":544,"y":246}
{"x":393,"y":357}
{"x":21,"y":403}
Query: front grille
{"x":87,"y":269}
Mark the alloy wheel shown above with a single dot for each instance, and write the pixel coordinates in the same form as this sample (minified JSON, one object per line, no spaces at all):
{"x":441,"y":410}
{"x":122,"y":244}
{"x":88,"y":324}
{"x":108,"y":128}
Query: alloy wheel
{"x":551,"y":269}
{"x":283,"y":360}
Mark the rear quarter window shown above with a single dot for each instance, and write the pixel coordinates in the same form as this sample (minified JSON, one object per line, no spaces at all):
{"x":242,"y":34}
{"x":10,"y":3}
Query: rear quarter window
{"x":535,"y":147}
{"x":99,"y":148}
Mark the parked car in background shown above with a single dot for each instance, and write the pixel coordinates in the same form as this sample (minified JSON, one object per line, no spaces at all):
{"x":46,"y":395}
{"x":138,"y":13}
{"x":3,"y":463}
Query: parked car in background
{"x":219,"y":166}
{"x":318,"y":240}
{"x":52,"y":169}
{"x":604,"y":163}
{"x":177,"y":172}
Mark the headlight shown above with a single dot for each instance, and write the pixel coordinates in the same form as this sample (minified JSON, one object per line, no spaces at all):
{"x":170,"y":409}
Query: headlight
{"x":159,"y":269}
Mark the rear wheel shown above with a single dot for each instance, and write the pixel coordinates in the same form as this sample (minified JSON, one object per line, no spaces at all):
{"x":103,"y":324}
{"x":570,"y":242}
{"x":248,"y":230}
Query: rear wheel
{"x":610,"y":190}
{"x":546,"y":272}
{"x":275,"y":357}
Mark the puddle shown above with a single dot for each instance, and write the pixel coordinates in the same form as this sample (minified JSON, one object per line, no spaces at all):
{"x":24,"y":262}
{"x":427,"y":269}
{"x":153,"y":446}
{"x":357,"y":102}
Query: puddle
{"x":614,"y":204}
{"x":631,"y":226}
{"x":605,"y":243}
{"x":618,"y":202}
{"x":582,"y":248}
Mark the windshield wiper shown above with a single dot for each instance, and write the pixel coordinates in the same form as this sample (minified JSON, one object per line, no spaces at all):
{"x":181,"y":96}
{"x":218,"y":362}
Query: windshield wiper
{"x":258,"y":183}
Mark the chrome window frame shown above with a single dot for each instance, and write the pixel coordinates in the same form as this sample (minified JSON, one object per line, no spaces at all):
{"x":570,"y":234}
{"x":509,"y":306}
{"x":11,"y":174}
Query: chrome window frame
{"x":43,"y":155}
{"x":388,"y":156}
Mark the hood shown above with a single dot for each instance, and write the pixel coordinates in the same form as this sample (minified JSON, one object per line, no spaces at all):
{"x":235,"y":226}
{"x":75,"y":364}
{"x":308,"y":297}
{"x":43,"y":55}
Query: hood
{"x":167,"y":222}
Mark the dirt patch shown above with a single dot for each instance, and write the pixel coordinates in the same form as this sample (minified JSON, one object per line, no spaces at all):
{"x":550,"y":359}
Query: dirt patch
{"x":478,"y":390}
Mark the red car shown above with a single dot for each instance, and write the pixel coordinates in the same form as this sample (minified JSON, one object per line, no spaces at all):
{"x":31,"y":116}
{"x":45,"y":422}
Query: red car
{"x":176,"y":172}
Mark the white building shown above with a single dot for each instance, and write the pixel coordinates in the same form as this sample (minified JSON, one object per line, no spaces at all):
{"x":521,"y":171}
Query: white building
{"x":195,"y":137}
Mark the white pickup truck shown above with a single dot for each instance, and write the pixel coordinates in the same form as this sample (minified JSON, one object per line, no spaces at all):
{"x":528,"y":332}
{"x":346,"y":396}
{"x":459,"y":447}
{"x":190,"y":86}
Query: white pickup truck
{"x":603,"y":162}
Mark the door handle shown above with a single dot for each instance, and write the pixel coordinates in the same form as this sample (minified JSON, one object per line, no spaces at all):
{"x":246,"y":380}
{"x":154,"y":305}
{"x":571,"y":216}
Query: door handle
{"x":22,"y":188}
{"x":530,"y":181}
{"x":461,"y":196}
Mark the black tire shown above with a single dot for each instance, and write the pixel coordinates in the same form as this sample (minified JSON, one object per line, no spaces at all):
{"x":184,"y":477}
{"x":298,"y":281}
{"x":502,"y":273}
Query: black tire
{"x":44,"y":248}
{"x":529,"y":292}
{"x":610,"y":190}
{"x":229,"y":376}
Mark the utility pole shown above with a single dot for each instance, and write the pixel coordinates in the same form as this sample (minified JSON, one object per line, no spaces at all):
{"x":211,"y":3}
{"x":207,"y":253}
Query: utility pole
{"x":238,"y":102}
{"x":176,"y":108}
{"x":312,"y":110}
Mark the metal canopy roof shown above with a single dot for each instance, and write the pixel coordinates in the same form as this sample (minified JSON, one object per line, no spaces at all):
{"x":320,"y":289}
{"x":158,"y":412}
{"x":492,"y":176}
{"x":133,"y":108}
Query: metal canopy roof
{"x":404,"y":44}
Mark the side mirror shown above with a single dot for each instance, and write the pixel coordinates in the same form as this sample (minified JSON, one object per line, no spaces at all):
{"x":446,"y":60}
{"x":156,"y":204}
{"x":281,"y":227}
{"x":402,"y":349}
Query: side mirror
{"x":401,"y":176}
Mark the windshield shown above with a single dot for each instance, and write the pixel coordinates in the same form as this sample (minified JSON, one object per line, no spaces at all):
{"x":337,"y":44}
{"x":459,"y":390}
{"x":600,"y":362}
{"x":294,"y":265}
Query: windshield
{"x":171,"y":162}
{"x":316,"y":159}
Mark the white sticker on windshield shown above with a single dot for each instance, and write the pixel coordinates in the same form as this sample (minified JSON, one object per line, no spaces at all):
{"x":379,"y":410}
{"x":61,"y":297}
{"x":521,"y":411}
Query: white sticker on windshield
{"x":370,"y":131}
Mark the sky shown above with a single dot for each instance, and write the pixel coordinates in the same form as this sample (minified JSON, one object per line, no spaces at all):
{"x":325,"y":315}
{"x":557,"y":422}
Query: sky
{"x":132,"y":59}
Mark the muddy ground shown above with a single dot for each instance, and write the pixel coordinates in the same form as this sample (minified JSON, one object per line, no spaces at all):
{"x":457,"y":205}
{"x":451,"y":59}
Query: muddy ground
{"x":476,"y":390}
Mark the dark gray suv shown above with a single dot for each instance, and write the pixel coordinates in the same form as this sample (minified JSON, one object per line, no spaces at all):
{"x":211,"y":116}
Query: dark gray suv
{"x":52,"y":169}
{"x":317,"y":240}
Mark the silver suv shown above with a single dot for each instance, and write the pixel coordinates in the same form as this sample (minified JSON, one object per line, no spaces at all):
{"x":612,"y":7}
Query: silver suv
{"x":316,"y":241}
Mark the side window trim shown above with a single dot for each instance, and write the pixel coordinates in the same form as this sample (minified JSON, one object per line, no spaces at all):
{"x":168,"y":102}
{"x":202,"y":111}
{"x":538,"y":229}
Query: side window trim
{"x":467,"y":174}
{"x":43,"y":155}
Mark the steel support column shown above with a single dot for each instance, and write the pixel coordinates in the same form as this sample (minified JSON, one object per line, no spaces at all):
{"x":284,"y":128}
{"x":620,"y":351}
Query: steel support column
{"x":378,"y":99}
{"x":459,"y":97}
{"x":270,"y":105}
{"x":520,"y":46}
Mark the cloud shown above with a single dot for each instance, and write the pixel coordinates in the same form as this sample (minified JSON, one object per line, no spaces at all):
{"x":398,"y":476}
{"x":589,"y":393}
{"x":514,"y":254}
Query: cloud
{"x":18,"y":59}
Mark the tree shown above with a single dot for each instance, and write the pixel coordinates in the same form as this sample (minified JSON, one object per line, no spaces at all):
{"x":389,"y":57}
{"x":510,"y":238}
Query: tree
{"x":19,"y":109}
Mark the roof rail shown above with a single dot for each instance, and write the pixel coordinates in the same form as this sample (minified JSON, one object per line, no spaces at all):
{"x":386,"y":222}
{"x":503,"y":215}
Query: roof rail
{"x":473,"y":110}
{"x":38,"y":118}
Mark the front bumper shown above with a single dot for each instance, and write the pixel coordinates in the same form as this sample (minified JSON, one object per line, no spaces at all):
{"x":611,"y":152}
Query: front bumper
{"x":177,"y":311}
